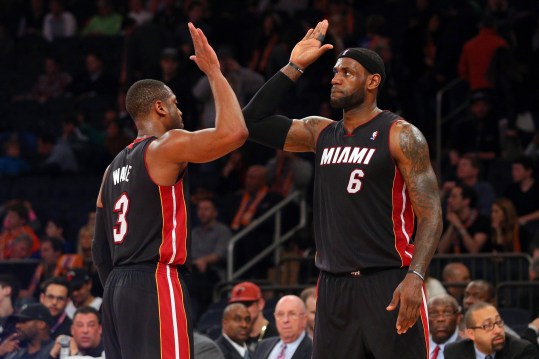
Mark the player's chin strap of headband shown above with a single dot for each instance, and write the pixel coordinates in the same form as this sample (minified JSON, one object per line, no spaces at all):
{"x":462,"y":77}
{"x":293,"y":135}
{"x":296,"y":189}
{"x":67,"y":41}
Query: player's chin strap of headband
{"x":264,"y":127}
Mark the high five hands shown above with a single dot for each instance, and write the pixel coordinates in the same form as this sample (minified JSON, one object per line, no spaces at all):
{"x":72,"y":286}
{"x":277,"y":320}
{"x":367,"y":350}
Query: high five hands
{"x":310,"y":47}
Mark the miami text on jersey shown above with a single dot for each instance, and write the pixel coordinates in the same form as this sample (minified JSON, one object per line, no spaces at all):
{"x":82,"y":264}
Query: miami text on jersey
{"x":346,"y":154}
{"x":121,"y":174}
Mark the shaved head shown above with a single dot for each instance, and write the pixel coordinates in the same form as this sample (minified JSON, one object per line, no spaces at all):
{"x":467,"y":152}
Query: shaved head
{"x":142,"y":94}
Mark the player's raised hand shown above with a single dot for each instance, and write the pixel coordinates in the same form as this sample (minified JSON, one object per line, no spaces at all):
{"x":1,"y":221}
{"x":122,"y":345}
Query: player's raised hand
{"x":310,"y":47}
{"x":205,"y":57}
{"x":408,"y":296}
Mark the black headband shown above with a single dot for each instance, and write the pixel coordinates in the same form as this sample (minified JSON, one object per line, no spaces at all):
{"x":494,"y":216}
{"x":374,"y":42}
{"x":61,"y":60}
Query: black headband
{"x":368,"y":58}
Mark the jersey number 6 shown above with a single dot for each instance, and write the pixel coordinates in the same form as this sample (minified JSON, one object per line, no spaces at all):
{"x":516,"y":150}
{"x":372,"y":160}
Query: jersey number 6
{"x":120,"y":228}
{"x":354,"y":184}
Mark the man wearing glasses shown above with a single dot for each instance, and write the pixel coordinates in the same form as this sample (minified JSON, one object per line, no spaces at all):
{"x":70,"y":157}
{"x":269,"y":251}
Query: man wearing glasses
{"x":293,"y":342}
{"x":487,"y":339}
{"x":444,"y":317}
{"x":55,"y":297}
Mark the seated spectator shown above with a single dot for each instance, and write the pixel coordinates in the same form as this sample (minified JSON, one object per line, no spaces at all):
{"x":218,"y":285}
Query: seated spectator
{"x":208,"y":252}
{"x":59,"y":23}
{"x":51,"y":250}
{"x":466,"y":231}
{"x":9,"y":292}
{"x":293,"y":341}
{"x":205,"y":348}
{"x":433,"y":286}
{"x":12,"y":164}
{"x":236,"y":322}
{"x":86,"y":336}
{"x":287,"y":172}
{"x":21,"y":247}
{"x":105,"y":23}
{"x":84,"y":249}
{"x":138,"y":13}
{"x":115,"y":139}
{"x":31,"y":21}
{"x":55,"y":296}
{"x":444,"y":318}
{"x":80,"y":286}
{"x":49,"y":85}
{"x":487,"y":337}
{"x":308,"y":296}
{"x":250,"y":295}
{"x":33,"y":339}
{"x":15,"y":224}
{"x":468,"y":173}
{"x":55,"y":156}
{"x":456,"y":276}
{"x":505,"y":232}
{"x":524,"y":192}
{"x":93,"y":80}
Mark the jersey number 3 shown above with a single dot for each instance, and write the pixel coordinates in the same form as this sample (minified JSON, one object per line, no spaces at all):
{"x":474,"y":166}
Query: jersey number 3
{"x":354,"y":183}
{"x":121,"y":207}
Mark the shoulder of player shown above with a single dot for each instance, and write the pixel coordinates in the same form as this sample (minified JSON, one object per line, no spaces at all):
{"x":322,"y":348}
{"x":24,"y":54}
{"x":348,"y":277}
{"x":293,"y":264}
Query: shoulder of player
{"x":406,"y":138}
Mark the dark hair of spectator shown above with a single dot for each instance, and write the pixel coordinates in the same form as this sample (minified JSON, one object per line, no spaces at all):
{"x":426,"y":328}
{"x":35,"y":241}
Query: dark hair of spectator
{"x":54,"y":280}
{"x":7,"y":280}
{"x":87,"y":310}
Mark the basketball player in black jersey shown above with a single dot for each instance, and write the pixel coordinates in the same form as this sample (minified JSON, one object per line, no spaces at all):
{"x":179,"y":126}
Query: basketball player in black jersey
{"x":374,"y":188}
{"x":141,"y":241}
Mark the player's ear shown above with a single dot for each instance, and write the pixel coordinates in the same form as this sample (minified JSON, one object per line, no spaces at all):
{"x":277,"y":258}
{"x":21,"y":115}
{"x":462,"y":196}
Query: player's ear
{"x":373,"y":81}
{"x":160,"y":108}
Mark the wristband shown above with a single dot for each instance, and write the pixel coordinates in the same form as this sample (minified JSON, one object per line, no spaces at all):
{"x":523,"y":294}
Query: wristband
{"x":296,"y":67}
{"x":416,"y":273}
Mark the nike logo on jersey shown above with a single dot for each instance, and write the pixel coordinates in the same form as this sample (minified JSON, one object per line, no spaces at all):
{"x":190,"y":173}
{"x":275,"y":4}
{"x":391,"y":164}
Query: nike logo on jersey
{"x":347,"y":154}
{"x":121,"y":174}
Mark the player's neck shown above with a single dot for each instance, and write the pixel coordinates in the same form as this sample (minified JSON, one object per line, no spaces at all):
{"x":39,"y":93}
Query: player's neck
{"x":360,"y":115}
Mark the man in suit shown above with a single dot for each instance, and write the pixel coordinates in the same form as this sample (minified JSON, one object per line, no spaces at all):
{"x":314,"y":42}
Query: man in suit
{"x":487,"y":338}
{"x":205,"y":348}
{"x":444,"y":317}
{"x":236,"y":323}
{"x":293,"y":342}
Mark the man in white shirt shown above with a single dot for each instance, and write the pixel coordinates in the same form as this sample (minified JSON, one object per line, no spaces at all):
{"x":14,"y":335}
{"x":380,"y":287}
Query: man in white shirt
{"x":236,"y":324}
{"x":293,"y":342}
{"x":444,"y":317}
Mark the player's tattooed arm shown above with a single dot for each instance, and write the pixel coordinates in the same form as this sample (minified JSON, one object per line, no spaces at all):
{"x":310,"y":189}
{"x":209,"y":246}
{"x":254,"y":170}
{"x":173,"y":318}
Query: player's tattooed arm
{"x":303,"y":134}
{"x":412,"y":155}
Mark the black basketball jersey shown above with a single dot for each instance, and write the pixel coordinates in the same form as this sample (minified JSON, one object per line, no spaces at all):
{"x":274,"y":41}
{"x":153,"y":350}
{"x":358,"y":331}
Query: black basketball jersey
{"x":145,"y":222}
{"x":363,"y":215}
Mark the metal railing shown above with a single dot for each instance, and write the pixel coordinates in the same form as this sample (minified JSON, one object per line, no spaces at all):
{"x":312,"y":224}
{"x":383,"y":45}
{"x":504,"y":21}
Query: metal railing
{"x":278,"y":238}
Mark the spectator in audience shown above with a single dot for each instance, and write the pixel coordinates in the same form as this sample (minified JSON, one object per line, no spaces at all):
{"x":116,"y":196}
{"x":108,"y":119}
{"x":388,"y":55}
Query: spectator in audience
{"x":455,"y":276}
{"x":209,"y":241}
{"x":531,"y":299}
{"x":51,"y":250}
{"x":293,"y":341}
{"x":138,"y":13}
{"x":308,"y":296}
{"x":478,"y":133}
{"x":12,"y":164}
{"x":93,"y":80}
{"x":236,"y":322}
{"x":205,"y":348}
{"x":80,"y":286}
{"x":115,"y":139}
{"x":487,"y":338}
{"x":15,"y":224}
{"x":466,"y":230}
{"x":31,"y":22}
{"x":85,"y":340}
{"x":505,"y":232}
{"x":524,"y":191}
{"x":244,"y":82}
{"x":54,"y":296}
{"x":468,"y":173}
{"x":476,"y":56}
{"x":250,"y":295}
{"x":21,"y":247}
{"x":9,"y":292}
{"x":433,"y":286}
{"x":444,"y":318}
{"x":84,"y":249}
{"x":55,"y":156}
{"x":59,"y":23}
{"x":287,"y":172}
{"x":33,"y":328}
{"x":105,"y":23}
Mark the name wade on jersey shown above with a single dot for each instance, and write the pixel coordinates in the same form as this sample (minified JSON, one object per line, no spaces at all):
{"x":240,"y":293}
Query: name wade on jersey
{"x":121,"y":174}
{"x":348,"y":154}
